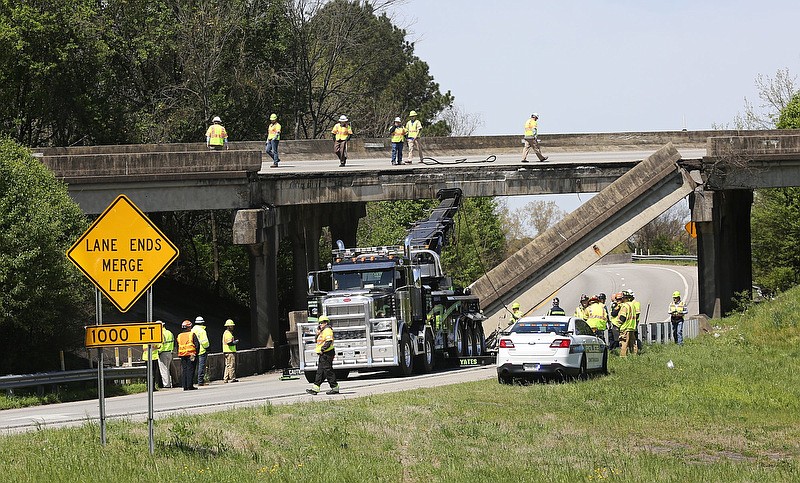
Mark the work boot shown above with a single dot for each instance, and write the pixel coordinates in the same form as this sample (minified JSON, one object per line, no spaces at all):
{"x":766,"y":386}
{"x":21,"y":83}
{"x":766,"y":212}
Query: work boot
{"x":312,"y":392}
{"x":524,"y":160}
{"x":333,"y":390}
{"x":543,"y":159}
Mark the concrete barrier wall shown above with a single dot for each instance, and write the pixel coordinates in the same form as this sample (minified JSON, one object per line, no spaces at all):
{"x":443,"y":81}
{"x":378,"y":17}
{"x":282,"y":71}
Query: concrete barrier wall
{"x":248,"y":363}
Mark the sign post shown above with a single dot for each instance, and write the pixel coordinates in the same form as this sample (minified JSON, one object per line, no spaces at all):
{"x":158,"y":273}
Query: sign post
{"x":123,"y":253}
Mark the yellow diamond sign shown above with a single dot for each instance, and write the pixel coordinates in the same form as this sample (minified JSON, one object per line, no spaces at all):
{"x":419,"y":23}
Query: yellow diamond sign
{"x":123,"y":253}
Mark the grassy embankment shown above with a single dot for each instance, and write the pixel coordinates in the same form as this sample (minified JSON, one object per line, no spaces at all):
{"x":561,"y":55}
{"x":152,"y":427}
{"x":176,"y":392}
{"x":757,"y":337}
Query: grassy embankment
{"x":28,"y":397}
{"x":728,"y":411}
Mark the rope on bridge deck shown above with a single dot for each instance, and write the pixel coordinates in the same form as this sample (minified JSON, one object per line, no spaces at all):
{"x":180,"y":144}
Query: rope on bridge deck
{"x":431,"y":161}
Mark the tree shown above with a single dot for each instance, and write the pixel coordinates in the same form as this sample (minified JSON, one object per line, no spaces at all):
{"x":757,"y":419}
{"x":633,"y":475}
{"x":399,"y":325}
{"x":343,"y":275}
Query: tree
{"x":775,"y":224}
{"x":790,"y":115}
{"x":455,"y":121}
{"x":775,"y":94}
{"x":43,"y":297}
{"x":666,"y":234}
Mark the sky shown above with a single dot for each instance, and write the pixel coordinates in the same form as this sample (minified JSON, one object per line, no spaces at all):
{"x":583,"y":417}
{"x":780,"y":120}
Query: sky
{"x":602,"y":65}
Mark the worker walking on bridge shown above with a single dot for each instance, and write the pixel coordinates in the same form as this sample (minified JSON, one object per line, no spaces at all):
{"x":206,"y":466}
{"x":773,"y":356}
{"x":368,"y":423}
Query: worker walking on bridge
{"x":677,"y":309}
{"x":341,"y":135}
{"x":326,"y":353}
{"x":414,"y":130}
{"x":398,"y":135}
{"x":273,"y":136}
{"x":216,"y":135}
{"x":531,"y":139}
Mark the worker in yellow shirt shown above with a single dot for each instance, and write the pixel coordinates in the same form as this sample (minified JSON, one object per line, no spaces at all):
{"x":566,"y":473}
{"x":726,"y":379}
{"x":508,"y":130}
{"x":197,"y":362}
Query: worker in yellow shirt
{"x":341,"y":135}
{"x":414,"y":132}
{"x":326,"y":353}
{"x":165,"y":355}
{"x":273,"y":136}
{"x":153,"y":361}
{"x":398,"y":135}
{"x":229,"y":343}
{"x":216,"y":135}
{"x":199,"y":330}
{"x":531,"y":139}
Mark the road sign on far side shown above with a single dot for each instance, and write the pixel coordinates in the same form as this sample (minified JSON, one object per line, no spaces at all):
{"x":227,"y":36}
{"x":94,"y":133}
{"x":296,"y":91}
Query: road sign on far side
{"x":123,"y":253}
{"x":123,"y":334}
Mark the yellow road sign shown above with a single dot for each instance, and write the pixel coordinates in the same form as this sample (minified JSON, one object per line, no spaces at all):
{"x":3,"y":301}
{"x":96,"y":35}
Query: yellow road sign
{"x":123,"y":334}
{"x":123,"y":253}
{"x":691,"y":229}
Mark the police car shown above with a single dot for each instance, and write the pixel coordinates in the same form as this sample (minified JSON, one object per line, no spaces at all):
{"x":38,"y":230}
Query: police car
{"x":549,"y":346}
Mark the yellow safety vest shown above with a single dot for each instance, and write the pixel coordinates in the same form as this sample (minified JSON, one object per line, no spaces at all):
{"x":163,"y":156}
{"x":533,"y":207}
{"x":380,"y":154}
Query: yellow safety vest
{"x":202,"y":337}
{"x":580,"y":312}
{"x":342,"y":132}
{"x":227,"y":338}
{"x":516,"y":314}
{"x":216,"y":135}
{"x":186,"y":344}
{"x":413,"y":128}
{"x":678,"y":310}
{"x":596,"y":316}
{"x":398,"y":133}
{"x":168,"y":341}
{"x":154,"y":356}
{"x":324,"y":336}
{"x":531,"y":128}
{"x":274,"y":132}
{"x":629,"y":312}
{"x":637,"y":310}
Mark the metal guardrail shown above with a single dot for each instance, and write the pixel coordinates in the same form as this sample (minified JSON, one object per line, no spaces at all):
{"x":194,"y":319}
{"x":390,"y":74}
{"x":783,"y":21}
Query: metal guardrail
{"x":61,"y":377}
{"x":661,"y":332}
{"x":680,"y":258}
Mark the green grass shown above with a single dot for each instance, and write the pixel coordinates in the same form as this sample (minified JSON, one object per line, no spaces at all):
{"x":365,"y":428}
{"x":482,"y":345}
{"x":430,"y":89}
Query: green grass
{"x":728,"y":411}
{"x":24,"y":398}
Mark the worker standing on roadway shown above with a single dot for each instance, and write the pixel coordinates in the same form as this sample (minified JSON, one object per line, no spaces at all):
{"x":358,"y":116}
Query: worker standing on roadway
{"x":516,"y":312}
{"x":273,"y":136}
{"x":216,"y":135}
{"x":677,"y":310}
{"x":199,"y":330}
{"x":398,"y":135}
{"x":414,"y":130}
{"x":531,"y":139}
{"x":188,"y":346}
{"x":153,"y":361}
{"x":229,"y":349}
{"x":556,"y":309}
{"x":341,"y":135}
{"x":165,"y":355}
{"x":326,"y":353}
{"x":636,"y":310}
{"x":627,"y":329}
{"x":580,"y":310}
{"x":613,"y":318}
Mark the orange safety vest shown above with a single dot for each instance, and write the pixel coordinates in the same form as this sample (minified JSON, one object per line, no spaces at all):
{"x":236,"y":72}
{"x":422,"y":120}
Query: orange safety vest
{"x":186,"y":345}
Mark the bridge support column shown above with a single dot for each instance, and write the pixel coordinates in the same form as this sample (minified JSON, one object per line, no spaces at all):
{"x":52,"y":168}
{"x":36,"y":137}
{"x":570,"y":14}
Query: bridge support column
{"x":305,"y":234}
{"x":344,"y":223}
{"x":724,"y":255}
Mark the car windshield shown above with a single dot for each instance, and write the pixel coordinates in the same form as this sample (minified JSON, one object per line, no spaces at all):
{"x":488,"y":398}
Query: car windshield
{"x":540,"y":327}
{"x":377,"y":279}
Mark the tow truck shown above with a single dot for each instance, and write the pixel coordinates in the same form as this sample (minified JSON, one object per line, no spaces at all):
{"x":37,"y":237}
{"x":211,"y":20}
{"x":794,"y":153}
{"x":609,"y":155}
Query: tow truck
{"x":392,"y":307}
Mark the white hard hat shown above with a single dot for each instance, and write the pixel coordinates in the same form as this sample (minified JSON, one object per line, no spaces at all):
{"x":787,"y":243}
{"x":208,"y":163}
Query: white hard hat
{"x":535,"y":114}
{"x":216,"y":119}
{"x":397,"y":119}
{"x":342,"y":118}
{"x":199,"y":321}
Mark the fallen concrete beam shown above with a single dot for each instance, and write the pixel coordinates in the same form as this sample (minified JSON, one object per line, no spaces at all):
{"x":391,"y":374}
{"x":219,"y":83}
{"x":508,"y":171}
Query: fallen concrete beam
{"x":558,"y":255}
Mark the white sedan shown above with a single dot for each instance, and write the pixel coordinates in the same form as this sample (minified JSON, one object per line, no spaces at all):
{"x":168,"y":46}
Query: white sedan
{"x":549,"y":345}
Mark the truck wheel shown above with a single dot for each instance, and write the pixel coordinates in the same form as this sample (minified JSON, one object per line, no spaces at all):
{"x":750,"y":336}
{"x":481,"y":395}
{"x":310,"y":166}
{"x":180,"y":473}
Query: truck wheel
{"x":480,"y":341}
{"x":311,"y":376}
{"x":424,"y":362}
{"x":459,"y":341}
{"x":405,"y":356}
{"x":469,"y":342}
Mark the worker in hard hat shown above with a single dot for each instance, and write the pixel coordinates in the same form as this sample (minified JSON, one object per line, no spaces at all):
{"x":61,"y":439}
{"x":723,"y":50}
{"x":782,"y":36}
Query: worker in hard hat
{"x":341,"y":135}
{"x":613,"y":317}
{"x":199,"y":329}
{"x":397,"y":133}
{"x":556,"y":308}
{"x":516,"y":312}
{"x":216,"y":135}
{"x":628,"y":328}
{"x":273,"y":136}
{"x":229,"y":350}
{"x":414,"y":132}
{"x":677,"y":310}
{"x":580,"y":310}
{"x":531,"y":139}
{"x":326,"y":353}
{"x":188,"y":346}
{"x":165,"y":354}
{"x":596,"y":316}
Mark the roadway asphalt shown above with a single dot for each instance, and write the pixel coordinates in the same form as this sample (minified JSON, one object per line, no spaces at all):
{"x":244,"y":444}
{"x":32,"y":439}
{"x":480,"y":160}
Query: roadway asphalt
{"x":578,"y":158}
{"x":653,"y":285}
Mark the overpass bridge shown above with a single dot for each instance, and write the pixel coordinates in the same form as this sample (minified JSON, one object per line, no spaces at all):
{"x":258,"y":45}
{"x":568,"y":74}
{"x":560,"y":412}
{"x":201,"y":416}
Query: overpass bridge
{"x":309,"y":191}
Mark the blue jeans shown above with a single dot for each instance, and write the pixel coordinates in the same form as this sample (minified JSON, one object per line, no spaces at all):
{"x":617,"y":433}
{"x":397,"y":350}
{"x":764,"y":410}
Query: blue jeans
{"x":272,"y":150}
{"x":397,"y":152}
{"x":201,"y":367}
{"x":677,"y":332}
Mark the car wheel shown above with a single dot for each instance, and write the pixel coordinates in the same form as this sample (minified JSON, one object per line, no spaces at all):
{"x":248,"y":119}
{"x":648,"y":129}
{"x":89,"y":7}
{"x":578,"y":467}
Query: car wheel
{"x":604,"y":367}
{"x":424,"y":362}
{"x":311,"y":376}
{"x":406,"y":359}
{"x":582,"y":373}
